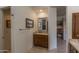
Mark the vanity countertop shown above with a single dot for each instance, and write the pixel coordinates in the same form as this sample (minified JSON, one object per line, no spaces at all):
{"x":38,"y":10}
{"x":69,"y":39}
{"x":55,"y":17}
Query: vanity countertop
{"x":41,"y":33}
{"x":75,"y":43}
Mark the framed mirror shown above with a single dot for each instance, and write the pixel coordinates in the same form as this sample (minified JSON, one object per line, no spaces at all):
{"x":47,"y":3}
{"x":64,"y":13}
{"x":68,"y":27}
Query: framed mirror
{"x":42,"y":24}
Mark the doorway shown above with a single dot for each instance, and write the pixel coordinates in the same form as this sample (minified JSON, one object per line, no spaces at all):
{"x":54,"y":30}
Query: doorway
{"x":61,"y":29}
{"x":7,"y":29}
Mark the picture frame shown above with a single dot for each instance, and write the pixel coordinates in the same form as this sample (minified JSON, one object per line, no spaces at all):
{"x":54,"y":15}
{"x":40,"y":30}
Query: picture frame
{"x":29,"y":23}
{"x":8,"y":24}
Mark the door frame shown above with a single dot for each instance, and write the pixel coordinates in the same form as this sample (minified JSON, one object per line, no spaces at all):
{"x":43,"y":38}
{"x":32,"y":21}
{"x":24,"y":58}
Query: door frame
{"x":3,"y":27}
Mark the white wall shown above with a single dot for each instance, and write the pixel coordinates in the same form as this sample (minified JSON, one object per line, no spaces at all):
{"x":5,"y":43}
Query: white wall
{"x":21,"y":40}
{"x":52,"y":28}
{"x":70,"y":10}
{"x":1,"y":34}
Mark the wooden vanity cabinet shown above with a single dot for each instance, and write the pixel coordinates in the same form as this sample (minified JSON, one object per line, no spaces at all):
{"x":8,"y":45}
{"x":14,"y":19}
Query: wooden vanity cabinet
{"x":40,"y":40}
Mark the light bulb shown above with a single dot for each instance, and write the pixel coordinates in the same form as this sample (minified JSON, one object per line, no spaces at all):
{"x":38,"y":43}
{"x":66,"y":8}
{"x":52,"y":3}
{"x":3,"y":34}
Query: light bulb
{"x":41,"y":10}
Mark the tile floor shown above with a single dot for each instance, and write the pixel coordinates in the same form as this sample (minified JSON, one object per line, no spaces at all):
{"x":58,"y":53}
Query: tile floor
{"x":38,"y":50}
{"x":61,"y":48}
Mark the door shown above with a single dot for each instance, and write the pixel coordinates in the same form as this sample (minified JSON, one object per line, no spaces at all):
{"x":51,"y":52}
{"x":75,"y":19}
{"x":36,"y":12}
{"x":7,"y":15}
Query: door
{"x":7,"y":29}
{"x":75,"y":25}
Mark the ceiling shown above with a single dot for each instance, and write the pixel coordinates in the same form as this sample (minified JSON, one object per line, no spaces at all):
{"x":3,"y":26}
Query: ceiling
{"x":61,"y":10}
{"x":38,"y":8}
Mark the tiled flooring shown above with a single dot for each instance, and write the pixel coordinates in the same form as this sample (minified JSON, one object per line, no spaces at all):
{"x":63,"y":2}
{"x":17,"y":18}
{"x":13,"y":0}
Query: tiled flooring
{"x":61,"y":48}
{"x":38,"y":50}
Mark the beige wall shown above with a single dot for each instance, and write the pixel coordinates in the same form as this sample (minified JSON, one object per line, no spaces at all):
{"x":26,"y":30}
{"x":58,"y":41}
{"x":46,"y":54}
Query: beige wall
{"x":22,"y":41}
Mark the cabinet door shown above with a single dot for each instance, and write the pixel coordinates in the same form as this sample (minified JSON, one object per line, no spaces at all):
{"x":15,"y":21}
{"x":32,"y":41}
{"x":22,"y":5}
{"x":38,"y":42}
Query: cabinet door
{"x":75,"y":26}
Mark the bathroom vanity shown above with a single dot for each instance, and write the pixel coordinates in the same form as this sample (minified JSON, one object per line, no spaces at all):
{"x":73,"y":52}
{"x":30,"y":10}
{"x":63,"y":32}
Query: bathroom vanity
{"x":40,"y":39}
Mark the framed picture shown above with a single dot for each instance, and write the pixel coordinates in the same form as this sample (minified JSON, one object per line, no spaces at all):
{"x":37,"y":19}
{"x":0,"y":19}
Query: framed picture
{"x":8,"y":23}
{"x":29,"y":23}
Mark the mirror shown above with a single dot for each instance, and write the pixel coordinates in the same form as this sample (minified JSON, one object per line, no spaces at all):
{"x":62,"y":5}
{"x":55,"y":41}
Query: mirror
{"x":42,"y":24}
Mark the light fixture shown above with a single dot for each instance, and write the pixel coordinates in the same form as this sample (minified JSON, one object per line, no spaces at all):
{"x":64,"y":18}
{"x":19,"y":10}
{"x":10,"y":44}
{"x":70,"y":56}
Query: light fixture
{"x":41,"y":10}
